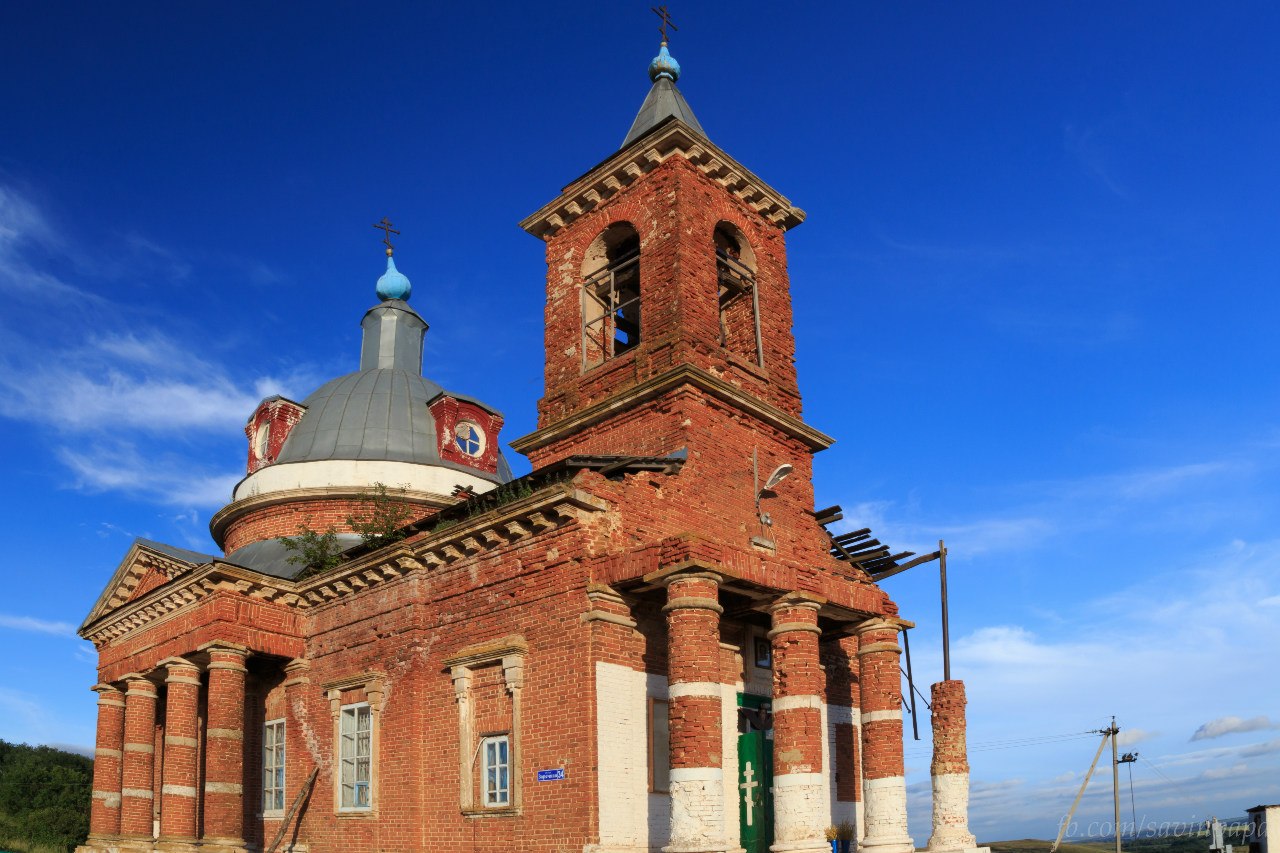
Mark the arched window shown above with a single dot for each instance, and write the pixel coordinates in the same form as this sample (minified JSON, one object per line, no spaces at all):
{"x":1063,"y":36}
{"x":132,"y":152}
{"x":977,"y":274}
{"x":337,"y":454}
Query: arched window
{"x":610,"y":295}
{"x":739,"y":301}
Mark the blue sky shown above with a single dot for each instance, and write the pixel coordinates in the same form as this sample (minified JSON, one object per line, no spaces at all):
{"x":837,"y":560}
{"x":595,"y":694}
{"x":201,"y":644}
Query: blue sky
{"x":1035,"y":302}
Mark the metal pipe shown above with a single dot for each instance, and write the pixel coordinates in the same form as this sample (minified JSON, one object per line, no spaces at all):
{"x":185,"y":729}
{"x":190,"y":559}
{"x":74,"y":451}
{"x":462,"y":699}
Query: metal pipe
{"x":911,"y":685}
{"x":946,"y":625}
{"x":1115,"y":777}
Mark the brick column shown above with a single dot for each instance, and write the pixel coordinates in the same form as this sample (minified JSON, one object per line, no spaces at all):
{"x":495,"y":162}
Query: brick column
{"x":799,"y":785}
{"x":884,"y":786}
{"x":950,"y":771}
{"x":297,"y":720}
{"x":695,"y":714}
{"x":137,"y":782}
{"x":178,"y":793}
{"x":224,"y":748}
{"x":108,"y":759}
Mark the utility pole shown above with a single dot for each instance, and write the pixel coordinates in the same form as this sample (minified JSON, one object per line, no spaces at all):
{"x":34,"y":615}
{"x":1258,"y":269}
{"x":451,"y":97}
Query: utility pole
{"x":1115,"y":776}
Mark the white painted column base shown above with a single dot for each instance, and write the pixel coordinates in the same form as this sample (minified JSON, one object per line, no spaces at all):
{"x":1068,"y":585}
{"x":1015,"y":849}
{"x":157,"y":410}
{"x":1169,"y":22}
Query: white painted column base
{"x":885,"y":813}
{"x":951,"y":815}
{"x":697,"y":811}
{"x":798,"y":801}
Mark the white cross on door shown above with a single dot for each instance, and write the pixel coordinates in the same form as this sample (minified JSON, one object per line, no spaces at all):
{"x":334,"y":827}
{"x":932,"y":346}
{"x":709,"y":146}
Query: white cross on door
{"x":749,"y":773}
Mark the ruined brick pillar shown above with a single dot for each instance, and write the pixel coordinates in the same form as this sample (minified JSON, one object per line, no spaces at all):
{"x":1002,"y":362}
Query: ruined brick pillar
{"x":108,"y":758}
{"x":693,"y":647}
{"x":137,"y":781}
{"x":181,"y":769}
{"x":950,"y":771}
{"x":884,"y":786}
{"x":224,"y":750}
{"x":799,"y":784}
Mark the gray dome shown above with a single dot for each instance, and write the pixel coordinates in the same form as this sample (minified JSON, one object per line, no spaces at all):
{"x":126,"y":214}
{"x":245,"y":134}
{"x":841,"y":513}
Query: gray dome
{"x":376,"y":414}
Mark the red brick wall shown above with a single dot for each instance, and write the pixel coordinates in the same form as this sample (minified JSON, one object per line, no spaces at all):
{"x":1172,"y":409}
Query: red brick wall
{"x":675,"y":209}
{"x":285,"y":519}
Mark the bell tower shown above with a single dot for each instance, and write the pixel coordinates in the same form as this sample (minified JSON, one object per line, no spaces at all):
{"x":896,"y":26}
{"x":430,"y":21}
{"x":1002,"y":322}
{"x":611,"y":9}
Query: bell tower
{"x":668,"y":326}
{"x":666,"y":270}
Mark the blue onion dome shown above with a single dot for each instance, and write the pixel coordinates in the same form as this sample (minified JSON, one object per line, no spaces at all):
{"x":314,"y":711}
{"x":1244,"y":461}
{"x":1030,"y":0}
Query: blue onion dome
{"x":664,"y":65}
{"x":393,"y":284}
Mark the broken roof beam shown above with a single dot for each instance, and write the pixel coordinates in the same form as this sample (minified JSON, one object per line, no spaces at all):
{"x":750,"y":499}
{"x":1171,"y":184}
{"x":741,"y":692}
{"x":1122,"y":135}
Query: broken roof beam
{"x":897,"y":570}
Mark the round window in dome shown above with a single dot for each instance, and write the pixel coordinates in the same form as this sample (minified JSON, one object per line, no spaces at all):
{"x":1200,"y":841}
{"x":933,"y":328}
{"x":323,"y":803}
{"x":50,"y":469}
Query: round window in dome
{"x":469,"y":438}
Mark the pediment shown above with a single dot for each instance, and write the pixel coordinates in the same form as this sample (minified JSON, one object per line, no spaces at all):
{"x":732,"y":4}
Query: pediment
{"x":147,"y":566}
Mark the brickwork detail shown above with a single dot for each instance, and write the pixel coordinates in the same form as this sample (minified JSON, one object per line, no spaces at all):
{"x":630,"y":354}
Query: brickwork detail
{"x":225,"y":746}
{"x":695,"y":713}
{"x":884,"y":785}
{"x":950,"y":770}
{"x":284,"y":519}
{"x":267,"y":429}
{"x":108,"y":757}
{"x":799,"y":784}
{"x":179,"y":792}
{"x":466,"y":449}
{"x":137,"y":801}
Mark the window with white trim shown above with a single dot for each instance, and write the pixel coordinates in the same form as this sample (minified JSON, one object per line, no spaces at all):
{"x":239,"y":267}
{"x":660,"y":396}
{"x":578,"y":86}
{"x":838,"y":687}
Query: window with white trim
{"x":496,"y":771}
{"x":355,"y":755}
{"x":273,"y":766}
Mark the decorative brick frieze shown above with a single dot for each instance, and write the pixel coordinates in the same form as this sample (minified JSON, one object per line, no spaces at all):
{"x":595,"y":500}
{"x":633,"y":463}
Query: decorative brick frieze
{"x":520,"y":520}
{"x":629,"y":164}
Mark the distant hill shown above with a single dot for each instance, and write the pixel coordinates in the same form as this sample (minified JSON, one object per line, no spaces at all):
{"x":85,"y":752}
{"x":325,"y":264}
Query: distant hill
{"x":44,"y":798}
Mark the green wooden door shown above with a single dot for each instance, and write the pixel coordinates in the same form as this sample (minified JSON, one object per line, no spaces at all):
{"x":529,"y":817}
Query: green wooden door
{"x":755,"y":773}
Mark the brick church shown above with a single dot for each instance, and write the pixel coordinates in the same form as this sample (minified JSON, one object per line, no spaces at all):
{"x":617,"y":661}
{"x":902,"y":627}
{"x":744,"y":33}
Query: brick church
{"x":651,"y":642}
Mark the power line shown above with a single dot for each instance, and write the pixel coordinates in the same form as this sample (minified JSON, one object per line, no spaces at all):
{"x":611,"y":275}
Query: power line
{"x":1181,"y":791}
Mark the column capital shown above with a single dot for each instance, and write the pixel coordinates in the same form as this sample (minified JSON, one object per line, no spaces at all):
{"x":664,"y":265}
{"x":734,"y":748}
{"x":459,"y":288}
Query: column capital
{"x":104,"y":690}
{"x":297,"y":672}
{"x":880,"y":623}
{"x":803,"y":600}
{"x":138,"y":684}
{"x":698,"y":573}
{"x":180,"y":671}
{"x":224,"y":646}
{"x":226,"y":656}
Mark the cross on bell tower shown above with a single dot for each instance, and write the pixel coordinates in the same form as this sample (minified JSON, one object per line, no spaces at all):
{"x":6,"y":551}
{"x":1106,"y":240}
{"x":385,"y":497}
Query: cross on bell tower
{"x":661,"y":12}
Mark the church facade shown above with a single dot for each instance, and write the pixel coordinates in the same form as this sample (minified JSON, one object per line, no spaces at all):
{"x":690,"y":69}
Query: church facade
{"x":648,"y":643}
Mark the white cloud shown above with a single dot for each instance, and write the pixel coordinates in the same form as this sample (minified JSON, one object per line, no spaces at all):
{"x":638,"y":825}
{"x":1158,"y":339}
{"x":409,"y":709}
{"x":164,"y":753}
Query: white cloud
{"x":20,"y":222}
{"x":971,"y":538}
{"x":1233,"y":725}
{"x":39,"y":626}
{"x":140,"y":383}
{"x":164,"y":478}
{"x":129,"y":407}
{"x":1129,"y":737}
{"x":1224,"y":772}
